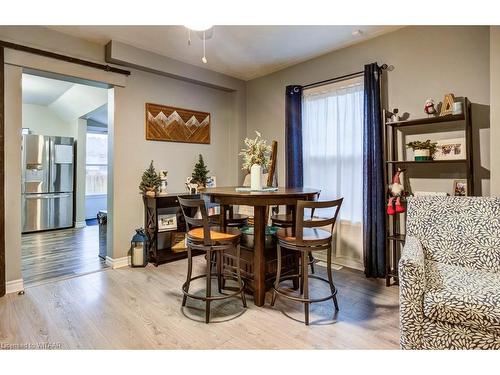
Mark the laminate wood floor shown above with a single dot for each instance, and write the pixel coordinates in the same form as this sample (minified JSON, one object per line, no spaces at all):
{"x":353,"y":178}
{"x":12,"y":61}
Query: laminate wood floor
{"x":140,"y":308}
{"x":52,"y":255}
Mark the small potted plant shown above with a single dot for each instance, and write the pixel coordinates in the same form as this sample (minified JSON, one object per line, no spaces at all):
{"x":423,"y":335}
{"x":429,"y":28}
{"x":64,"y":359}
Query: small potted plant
{"x":151,"y":181}
{"x":200,"y":173}
{"x":422,"y":150}
{"x":255,"y":159}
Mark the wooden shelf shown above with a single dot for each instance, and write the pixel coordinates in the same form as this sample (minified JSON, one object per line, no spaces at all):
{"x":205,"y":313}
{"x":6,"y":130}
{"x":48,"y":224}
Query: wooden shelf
{"x":427,"y":121}
{"x":397,"y":237}
{"x":430,"y":168}
{"x":426,"y":161}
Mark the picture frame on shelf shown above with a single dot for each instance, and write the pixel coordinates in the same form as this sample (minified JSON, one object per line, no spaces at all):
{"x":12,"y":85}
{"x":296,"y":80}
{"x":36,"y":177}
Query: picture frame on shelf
{"x":460,"y":188}
{"x":451,"y":149}
{"x":167,"y":222}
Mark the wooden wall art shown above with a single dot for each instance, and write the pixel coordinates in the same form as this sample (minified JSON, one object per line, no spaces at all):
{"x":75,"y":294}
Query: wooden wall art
{"x":172,"y":124}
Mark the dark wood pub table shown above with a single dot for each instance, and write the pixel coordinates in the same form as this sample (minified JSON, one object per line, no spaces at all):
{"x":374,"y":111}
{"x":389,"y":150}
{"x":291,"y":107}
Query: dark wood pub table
{"x":227,"y":196}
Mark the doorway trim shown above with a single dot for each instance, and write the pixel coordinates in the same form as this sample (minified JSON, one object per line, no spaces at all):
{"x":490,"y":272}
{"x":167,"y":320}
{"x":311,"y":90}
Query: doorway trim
{"x":47,"y":65}
{"x":2,"y":175}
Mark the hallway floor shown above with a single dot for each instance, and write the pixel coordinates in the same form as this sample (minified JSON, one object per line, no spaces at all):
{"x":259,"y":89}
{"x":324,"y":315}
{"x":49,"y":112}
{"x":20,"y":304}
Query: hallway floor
{"x":54,"y":255}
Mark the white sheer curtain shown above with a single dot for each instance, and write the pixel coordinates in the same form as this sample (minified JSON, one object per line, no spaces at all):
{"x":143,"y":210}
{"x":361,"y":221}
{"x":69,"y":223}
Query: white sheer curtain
{"x":332,"y":132}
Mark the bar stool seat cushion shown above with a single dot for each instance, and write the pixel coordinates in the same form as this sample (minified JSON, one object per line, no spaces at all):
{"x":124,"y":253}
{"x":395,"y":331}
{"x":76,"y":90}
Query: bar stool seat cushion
{"x":216,"y":234}
{"x":312,"y":236}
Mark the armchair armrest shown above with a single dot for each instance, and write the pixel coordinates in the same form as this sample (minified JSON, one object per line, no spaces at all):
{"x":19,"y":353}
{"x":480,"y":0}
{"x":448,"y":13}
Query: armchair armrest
{"x":411,"y":293}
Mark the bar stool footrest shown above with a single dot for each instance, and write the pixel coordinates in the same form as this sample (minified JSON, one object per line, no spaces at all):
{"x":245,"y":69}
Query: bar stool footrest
{"x":213,"y":298}
{"x":308,"y":300}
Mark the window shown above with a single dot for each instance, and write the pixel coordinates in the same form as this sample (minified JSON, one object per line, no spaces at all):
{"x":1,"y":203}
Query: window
{"x":332,"y":131}
{"x":96,"y":164}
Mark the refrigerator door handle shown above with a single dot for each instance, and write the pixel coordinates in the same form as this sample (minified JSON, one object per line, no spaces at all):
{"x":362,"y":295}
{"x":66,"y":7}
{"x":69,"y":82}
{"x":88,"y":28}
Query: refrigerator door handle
{"x":61,"y":195}
{"x":44,"y":196}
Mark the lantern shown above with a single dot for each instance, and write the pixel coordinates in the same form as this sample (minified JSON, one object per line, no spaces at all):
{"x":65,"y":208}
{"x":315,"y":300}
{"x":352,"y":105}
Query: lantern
{"x":139,"y":249}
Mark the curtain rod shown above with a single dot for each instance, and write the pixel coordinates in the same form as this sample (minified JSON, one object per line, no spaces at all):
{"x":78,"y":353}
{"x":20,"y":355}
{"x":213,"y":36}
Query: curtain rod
{"x":330,"y":80}
{"x":57,"y":56}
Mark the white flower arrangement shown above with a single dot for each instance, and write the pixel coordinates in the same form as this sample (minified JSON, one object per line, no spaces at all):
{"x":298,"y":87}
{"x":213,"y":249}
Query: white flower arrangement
{"x":256,"y":152}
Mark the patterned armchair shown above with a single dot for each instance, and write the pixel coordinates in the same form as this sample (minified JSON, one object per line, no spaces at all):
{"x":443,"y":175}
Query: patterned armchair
{"x":449,"y":274}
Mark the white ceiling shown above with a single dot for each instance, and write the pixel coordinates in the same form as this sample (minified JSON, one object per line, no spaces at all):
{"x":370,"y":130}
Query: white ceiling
{"x":99,"y":115}
{"x":244,"y":52}
{"x":67,"y":100}
{"x":41,"y":90}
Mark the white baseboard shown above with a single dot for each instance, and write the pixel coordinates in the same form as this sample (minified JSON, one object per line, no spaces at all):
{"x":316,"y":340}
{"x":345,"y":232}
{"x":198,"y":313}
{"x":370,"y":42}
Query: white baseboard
{"x":349,"y":262}
{"x":80,"y":224}
{"x":118,"y":262}
{"x":14,"y":286}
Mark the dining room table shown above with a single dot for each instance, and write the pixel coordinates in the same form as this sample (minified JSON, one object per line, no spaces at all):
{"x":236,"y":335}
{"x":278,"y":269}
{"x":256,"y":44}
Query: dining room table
{"x":260,"y":201}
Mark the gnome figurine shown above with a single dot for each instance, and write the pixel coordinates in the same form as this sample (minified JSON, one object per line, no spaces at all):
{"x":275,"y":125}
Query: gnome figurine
{"x":429,"y":107}
{"x":396,"y":190}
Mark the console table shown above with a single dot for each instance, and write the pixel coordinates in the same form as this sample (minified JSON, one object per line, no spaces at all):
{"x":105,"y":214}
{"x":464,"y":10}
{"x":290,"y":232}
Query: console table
{"x":161,"y":242}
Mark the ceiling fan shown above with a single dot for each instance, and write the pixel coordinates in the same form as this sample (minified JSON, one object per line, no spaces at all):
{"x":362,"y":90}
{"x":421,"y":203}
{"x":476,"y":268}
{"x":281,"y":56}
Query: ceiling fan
{"x":204,"y":32}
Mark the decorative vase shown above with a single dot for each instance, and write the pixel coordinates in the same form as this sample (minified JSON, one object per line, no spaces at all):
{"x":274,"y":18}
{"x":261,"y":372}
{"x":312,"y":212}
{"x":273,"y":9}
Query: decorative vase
{"x":255,"y":177}
{"x":421,"y":155}
{"x":151,"y":193}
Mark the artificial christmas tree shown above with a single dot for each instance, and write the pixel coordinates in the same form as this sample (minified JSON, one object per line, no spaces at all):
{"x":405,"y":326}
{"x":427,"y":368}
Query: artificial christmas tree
{"x":200,"y":173}
{"x":151,"y":181}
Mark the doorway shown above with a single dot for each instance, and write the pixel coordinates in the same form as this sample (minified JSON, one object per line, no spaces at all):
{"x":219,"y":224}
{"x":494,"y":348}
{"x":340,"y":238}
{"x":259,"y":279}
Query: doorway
{"x":63,"y":178}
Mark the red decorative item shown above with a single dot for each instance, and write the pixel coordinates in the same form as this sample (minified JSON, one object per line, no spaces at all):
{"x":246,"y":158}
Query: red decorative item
{"x":396,"y":188}
{"x":390,"y":207}
{"x":399,"y":207}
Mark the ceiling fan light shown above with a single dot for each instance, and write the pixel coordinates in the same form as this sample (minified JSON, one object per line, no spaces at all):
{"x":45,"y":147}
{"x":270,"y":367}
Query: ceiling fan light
{"x":199,"y":26}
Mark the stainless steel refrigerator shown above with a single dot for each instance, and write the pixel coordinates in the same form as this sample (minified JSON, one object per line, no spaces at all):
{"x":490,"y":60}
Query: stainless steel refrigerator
{"x":47,"y":182}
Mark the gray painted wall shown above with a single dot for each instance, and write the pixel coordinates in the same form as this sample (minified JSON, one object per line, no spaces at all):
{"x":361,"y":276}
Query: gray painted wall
{"x":131,"y":153}
{"x":428,"y":62}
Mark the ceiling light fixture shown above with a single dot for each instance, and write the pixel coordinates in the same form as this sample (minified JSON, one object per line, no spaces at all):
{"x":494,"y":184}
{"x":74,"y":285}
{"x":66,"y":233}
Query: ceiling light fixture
{"x":198,"y":27}
{"x":204,"y":32}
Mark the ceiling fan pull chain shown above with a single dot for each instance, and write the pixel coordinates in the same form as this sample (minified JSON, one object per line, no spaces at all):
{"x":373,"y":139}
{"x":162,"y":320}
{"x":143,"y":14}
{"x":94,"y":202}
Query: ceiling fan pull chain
{"x":204,"y":58}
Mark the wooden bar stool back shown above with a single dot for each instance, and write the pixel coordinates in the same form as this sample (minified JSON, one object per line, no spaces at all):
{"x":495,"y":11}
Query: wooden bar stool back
{"x":201,"y":235}
{"x":286,"y":221}
{"x":232,"y":219}
{"x":309,"y":236}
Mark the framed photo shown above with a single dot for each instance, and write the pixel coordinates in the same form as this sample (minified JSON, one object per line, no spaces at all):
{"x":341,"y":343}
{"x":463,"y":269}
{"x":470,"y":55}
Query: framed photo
{"x":460,"y":188}
{"x":211,"y":182}
{"x":450,"y":149}
{"x":167,"y":222}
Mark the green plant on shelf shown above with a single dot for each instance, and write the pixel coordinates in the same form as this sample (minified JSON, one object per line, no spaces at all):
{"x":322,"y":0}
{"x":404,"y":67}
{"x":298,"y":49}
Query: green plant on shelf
{"x":423,"y":145}
{"x":151,"y":181}
{"x":200,"y":172}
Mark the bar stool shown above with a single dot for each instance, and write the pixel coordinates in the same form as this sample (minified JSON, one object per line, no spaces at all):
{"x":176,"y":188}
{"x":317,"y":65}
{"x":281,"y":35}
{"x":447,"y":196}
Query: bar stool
{"x":232,"y":220}
{"x":308,"y":237}
{"x":212,"y":240}
{"x":286,"y":221}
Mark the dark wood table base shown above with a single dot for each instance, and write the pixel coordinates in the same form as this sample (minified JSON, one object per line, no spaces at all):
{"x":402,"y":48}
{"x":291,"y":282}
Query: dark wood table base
{"x":226,"y":196}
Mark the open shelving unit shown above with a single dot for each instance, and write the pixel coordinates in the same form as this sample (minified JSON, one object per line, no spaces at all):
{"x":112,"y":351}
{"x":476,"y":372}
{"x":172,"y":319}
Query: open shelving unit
{"x":161,"y":242}
{"x":394,"y":237}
